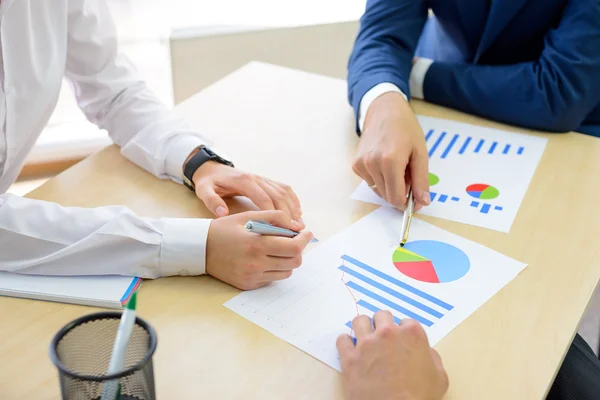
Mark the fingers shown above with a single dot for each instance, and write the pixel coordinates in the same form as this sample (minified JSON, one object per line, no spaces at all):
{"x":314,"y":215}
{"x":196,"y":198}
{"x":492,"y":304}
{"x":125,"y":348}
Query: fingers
{"x":393,"y":173}
{"x":283,"y":263}
{"x":274,"y":217}
{"x":294,"y":197}
{"x":211,"y":199}
{"x":382,"y":318}
{"x":286,"y":247}
{"x":293,"y":200}
{"x":377,"y":177}
{"x":280,"y":198}
{"x":251,"y":188}
{"x":345,"y":345}
{"x":272,"y":276}
{"x":359,"y":169}
{"x":362,"y":326}
{"x":419,"y":177}
{"x":437,"y":360}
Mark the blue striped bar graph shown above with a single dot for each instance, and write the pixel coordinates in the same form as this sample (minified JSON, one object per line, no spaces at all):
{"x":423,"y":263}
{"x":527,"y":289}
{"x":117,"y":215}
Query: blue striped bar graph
{"x":459,"y":145}
{"x":465,"y":145}
{"x":485,"y":208}
{"x":479,"y":145}
{"x":349,"y":323}
{"x":428,"y":134}
{"x":450,"y":145}
{"x":398,"y":283}
{"x":371,"y":307}
{"x":391,"y":292}
{"x":436,"y":144}
{"x":389,"y":303}
{"x":442,"y":197}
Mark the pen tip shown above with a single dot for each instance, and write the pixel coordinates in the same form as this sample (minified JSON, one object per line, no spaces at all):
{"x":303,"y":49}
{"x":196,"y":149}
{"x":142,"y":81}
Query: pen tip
{"x":401,"y":244}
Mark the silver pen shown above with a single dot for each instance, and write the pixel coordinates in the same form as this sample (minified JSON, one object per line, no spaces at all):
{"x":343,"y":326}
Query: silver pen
{"x":264,"y":228}
{"x":407,"y":218}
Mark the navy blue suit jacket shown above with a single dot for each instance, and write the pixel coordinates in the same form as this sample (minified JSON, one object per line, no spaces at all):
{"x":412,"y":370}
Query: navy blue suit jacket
{"x":533,"y":63}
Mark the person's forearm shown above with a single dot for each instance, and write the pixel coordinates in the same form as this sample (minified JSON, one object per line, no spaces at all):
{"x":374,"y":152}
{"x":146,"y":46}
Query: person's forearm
{"x":383,"y":52}
{"x":113,"y":97}
{"x":555,"y":92}
{"x":519,"y":94}
{"x":38,"y":237}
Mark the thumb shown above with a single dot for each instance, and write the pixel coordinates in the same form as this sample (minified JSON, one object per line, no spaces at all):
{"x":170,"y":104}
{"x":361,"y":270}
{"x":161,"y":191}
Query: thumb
{"x":419,"y":177}
{"x":277,"y":218}
{"x":212,"y":200}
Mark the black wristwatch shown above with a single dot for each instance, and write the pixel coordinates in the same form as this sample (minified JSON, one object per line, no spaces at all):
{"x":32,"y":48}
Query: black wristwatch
{"x":203,"y":155}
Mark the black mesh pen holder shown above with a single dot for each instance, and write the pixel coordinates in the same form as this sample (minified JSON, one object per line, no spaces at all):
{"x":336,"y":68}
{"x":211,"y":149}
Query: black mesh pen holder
{"x":81,"y":351}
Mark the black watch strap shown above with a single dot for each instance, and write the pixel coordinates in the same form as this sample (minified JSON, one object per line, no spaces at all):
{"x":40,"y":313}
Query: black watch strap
{"x":203,"y":155}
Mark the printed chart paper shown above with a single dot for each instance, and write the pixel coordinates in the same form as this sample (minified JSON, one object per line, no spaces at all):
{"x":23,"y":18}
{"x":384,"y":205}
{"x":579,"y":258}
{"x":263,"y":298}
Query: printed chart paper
{"x":438,"y":279}
{"x":478,"y":176}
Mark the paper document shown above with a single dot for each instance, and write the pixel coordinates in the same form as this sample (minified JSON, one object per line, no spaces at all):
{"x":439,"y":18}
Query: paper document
{"x":438,"y":279}
{"x":478,"y":176}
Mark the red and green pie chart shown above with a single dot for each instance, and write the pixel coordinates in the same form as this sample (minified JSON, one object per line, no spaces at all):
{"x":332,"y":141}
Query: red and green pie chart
{"x":431,"y":261}
{"x":483,"y":191}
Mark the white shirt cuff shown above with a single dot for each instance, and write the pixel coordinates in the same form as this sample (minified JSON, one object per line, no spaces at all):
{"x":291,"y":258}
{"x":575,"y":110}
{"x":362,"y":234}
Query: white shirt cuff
{"x":183,"y":247}
{"x":179,"y":151}
{"x":417,"y":77}
{"x":370,"y":97}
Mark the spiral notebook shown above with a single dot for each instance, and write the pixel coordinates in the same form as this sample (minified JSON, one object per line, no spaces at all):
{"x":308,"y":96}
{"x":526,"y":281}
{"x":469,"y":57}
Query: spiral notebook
{"x":96,"y":291}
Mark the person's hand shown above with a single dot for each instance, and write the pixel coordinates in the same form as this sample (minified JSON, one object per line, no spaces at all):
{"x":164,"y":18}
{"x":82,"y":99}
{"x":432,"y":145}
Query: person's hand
{"x":248,"y":260}
{"x":215,"y":181}
{"x":391,"y":361}
{"x":392,"y":153}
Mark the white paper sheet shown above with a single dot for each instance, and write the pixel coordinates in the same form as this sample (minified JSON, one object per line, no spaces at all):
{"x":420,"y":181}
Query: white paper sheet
{"x":461,"y":155}
{"x":312,"y":308}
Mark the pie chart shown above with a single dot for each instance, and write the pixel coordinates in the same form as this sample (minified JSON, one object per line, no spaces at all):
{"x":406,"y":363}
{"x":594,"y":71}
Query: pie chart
{"x":433,"y":179}
{"x":483,"y":191}
{"x":431,"y":261}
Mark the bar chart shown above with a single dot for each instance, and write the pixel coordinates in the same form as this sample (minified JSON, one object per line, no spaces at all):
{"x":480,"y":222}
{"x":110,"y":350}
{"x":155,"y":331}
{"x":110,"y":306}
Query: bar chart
{"x":444,"y":145}
{"x":392,"y":294}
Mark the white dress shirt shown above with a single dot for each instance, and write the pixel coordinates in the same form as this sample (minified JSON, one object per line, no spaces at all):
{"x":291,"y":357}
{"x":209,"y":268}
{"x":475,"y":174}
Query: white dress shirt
{"x":415,"y":84}
{"x":40,"y":43}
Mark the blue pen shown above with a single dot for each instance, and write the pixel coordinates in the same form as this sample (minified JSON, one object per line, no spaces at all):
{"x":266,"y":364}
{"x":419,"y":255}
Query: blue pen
{"x":264,"y":228}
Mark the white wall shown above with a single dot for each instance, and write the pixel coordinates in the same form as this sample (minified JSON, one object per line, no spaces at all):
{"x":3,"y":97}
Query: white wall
{"x":198,"y":59}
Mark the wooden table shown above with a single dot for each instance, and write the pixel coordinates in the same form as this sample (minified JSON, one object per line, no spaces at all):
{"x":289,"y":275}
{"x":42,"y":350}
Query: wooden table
{"x":297,"y":127}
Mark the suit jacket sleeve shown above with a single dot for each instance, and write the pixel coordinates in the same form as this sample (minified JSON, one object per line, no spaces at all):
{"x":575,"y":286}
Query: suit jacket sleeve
{"x":386,"y":42}
{"x":554,"y":93}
